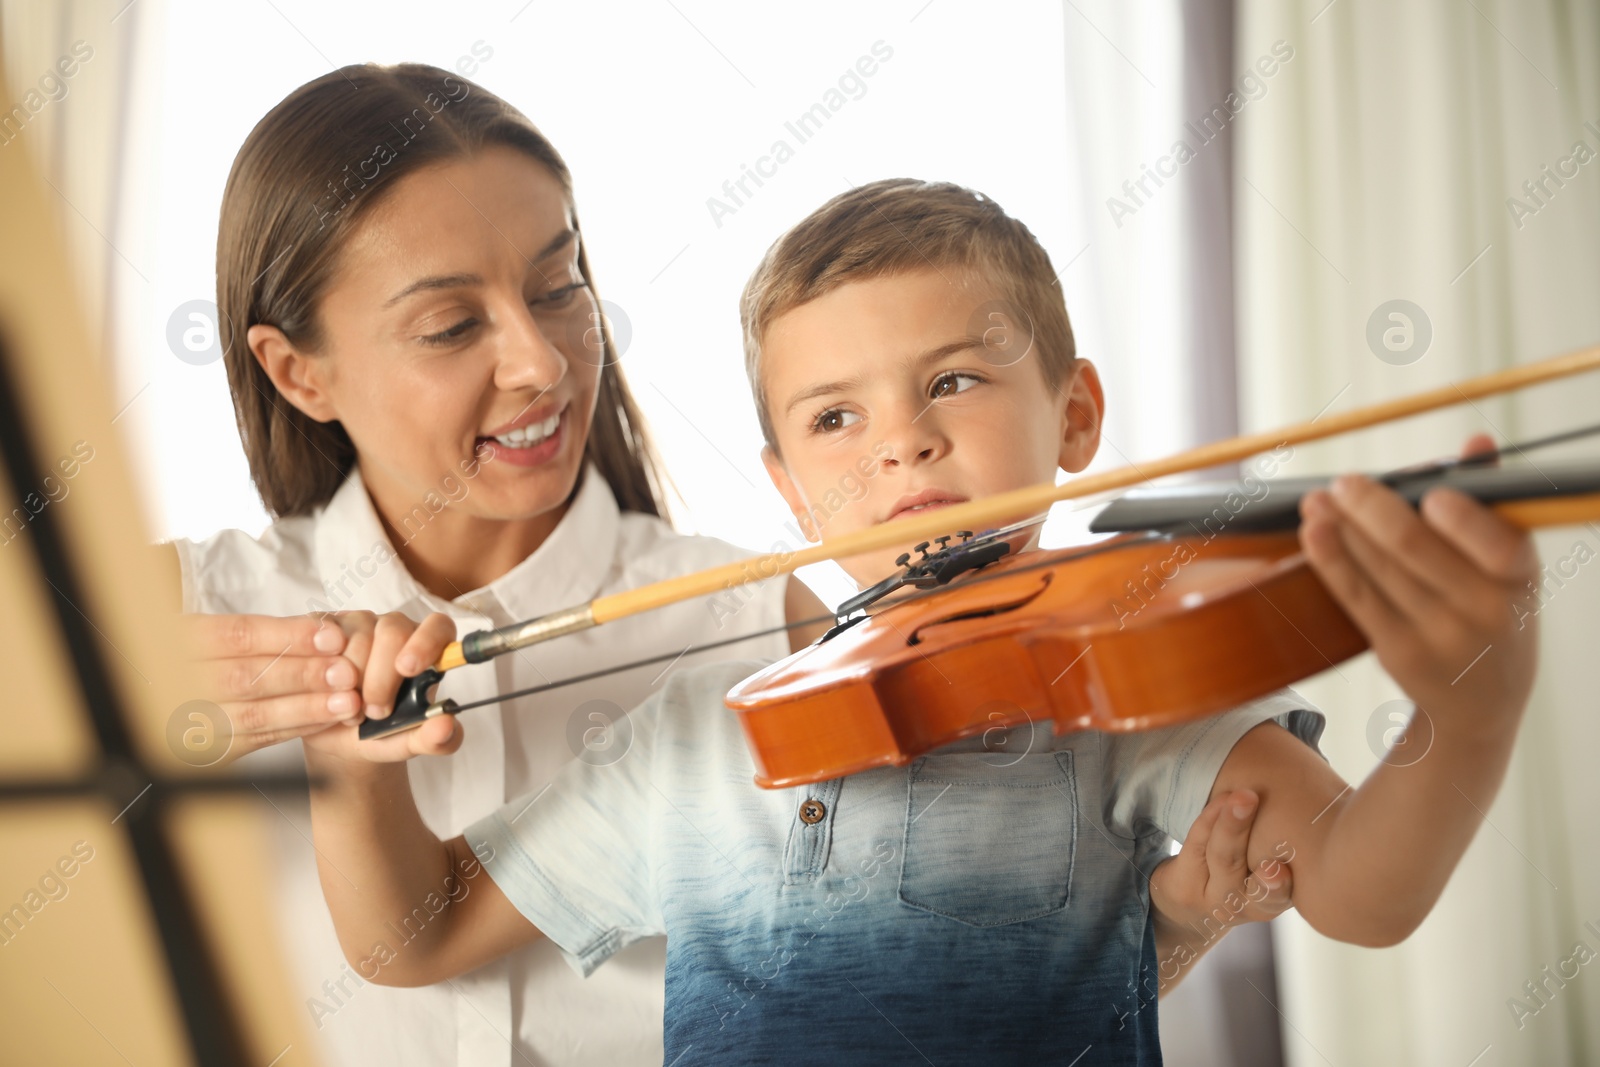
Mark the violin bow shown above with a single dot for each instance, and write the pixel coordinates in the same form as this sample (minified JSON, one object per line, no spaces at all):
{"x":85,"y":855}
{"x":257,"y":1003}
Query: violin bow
{"x":413,"y":706}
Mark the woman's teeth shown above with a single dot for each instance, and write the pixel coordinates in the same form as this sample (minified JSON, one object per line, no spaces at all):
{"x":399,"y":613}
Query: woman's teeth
{"x":532,"y":434}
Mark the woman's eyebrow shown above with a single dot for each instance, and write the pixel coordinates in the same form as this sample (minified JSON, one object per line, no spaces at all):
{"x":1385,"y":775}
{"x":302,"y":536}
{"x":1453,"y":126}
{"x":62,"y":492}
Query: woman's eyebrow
{"x":556,"y":244}
{"x":457,"y":281}
{"x":436,"y":281}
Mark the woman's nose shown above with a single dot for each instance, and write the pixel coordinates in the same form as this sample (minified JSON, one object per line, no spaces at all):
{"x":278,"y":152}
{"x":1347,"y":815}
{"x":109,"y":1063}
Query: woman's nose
{"x":529,"y":357}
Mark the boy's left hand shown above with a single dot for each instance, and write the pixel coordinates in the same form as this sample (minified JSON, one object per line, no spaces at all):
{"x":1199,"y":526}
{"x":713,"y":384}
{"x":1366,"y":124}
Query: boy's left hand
{"x":1436,"y":590}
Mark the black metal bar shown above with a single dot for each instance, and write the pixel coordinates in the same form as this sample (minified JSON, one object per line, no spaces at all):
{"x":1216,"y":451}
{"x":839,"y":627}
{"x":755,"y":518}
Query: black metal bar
{"x":214,"y":1033}
{"x":14,"y":790}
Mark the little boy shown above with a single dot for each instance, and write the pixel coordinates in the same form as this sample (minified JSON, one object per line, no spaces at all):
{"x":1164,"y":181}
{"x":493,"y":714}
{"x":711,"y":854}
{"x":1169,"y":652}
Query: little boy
{"x":990,"y":902}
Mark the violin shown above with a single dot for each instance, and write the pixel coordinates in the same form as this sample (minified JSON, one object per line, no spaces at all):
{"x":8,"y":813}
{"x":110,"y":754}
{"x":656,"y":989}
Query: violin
{"x":1147,"y":629}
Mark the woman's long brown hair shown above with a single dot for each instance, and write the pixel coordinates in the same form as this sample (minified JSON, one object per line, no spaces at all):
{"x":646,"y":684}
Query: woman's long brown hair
{"x":299,"y":186}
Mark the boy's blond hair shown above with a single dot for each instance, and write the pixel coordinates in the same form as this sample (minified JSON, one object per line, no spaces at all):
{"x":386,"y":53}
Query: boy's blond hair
{"x":897,"y":225}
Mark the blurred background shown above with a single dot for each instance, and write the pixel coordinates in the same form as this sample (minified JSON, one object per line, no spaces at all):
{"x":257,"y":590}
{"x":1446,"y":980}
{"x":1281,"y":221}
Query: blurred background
{"x":1260,"y":211}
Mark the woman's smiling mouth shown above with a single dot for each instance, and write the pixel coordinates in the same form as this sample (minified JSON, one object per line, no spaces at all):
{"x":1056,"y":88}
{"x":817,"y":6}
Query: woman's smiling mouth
{"x":530,"y":439}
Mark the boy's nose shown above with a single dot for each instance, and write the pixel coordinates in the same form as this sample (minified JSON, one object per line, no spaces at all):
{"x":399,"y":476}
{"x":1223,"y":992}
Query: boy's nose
{"x":916,"y":438}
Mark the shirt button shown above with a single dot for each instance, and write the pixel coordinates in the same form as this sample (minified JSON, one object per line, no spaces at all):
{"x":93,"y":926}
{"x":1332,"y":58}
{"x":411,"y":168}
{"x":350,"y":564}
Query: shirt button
{"x":812,"y":811}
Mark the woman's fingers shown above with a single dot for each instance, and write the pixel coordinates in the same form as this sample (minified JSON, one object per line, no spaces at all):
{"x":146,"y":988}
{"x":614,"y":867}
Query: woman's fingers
{"x":436,"y":737}
{"x":256,"y":678}
{"x":393,"y":635}
{"x":424,"y":646}
{"x":295,"y":714}
{"x":380,"y":680}
{"x":359,"y":627}
{"x":274,"y":678}
{"x":278,"y":678}
{"x":284,"y":677}
{"x":236,"y":636}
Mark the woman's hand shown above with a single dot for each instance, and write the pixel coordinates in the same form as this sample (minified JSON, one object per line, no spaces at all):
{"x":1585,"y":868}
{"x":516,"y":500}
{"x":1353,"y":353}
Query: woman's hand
{"x":386,"y":649}
{"x":280,"y":678}
{"x":274,"y":678}
{"x":1208,"y":888}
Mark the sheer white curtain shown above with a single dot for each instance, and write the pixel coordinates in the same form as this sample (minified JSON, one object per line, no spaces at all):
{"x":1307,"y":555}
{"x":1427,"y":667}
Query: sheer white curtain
{"x":1388,"y":162}
{"x":1124,"y":85}
{"x":1127,"y":281}
{"x":1151,"y":298}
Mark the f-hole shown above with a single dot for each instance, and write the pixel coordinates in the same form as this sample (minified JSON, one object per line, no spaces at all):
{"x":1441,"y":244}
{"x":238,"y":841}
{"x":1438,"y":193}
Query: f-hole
{"x":983,"y":613}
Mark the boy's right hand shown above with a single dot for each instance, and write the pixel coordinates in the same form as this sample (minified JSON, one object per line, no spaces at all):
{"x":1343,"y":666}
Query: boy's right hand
{"x":281,"y":678}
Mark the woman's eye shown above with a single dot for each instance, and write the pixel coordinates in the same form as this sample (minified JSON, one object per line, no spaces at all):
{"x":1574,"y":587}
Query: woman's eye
{"x":834,"y":420}
{"x":454,"y":333}
{"x":951,"y":383}
{"x":558,"y":298}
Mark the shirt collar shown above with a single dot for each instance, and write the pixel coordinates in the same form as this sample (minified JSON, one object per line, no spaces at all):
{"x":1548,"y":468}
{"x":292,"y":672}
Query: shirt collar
{"x":359,"y":569}
{"x":572,"y":565}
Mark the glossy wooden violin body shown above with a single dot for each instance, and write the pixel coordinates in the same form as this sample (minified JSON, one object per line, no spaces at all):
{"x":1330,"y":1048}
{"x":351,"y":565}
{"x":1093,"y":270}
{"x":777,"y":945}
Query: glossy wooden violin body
{"x":1135,"y":633}
{"x":1139,"y":634}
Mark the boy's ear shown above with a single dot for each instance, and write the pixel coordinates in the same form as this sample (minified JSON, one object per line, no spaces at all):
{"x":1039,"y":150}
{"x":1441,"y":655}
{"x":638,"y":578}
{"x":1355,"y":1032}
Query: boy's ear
{"x":1083,"y":411}
{"x":298,"y":375}
{"x":789,"y":491}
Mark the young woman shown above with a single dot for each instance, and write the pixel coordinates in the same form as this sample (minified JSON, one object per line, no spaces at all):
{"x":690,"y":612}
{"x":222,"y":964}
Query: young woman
{"x":436,"y":419}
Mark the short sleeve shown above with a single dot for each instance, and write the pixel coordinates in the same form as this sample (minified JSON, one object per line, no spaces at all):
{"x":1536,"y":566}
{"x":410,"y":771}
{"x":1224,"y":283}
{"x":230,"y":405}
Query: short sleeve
{"x":188,"y":569}
{"x":1161,"y":779}
{"x":575,"y":859}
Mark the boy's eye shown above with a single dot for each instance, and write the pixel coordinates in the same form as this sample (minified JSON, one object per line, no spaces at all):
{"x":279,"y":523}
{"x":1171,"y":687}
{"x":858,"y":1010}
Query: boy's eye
{"x":834,"y":420}
{"x":952,"y":382}
{"x":454,"y":333}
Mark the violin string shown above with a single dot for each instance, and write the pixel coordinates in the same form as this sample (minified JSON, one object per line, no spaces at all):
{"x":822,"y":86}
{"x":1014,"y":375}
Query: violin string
{"x":1398,"y":474}
{"x":1540,"y":442}
{"x":1479,"y":458}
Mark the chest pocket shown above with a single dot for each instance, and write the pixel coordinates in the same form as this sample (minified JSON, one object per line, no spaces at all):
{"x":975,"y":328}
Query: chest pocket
{"x":989,"y":841}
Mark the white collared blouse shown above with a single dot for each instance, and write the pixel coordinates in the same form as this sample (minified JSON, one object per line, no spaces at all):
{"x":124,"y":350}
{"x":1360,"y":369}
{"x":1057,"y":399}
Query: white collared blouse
{"x":527,"y":1007}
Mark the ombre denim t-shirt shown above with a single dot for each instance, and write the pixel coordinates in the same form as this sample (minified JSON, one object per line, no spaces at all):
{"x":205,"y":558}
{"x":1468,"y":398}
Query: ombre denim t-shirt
{"x":986,"y":904}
